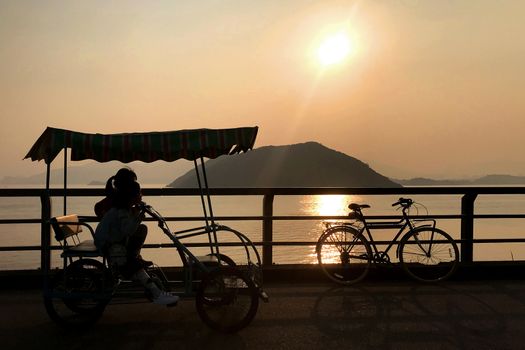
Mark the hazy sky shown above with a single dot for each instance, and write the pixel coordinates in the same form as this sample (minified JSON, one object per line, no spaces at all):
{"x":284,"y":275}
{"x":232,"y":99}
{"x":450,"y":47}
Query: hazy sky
{"x":431,"y":88}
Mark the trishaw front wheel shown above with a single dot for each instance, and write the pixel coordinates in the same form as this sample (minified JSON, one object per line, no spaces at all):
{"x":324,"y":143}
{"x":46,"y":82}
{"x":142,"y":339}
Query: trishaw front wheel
{"x":227,"y":300}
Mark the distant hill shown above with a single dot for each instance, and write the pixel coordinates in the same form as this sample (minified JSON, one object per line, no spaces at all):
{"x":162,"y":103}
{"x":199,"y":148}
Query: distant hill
{"x":500,"y":180}
{"x":422,"y":181}
{"x":301,"y":165}
{"x":482,"y":181}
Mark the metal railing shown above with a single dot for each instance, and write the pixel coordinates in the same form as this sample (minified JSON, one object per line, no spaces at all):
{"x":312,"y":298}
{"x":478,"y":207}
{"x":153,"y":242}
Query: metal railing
{"x":467,"y":216}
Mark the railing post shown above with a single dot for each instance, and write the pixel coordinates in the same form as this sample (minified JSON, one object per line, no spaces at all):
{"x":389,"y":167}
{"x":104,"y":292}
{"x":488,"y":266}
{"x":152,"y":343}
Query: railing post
{"x":467,"y":227}
{"x":45,"y":237}
{"x":267,"y":256}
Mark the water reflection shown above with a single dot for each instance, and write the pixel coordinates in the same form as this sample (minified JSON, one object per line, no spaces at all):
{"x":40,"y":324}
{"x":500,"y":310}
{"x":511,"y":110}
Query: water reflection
{"x":321,"y":205}
{"x":327,"y":204}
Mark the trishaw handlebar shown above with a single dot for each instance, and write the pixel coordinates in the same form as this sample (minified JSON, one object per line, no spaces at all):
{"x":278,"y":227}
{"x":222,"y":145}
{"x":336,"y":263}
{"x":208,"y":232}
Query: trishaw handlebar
{"x":146,"y":208}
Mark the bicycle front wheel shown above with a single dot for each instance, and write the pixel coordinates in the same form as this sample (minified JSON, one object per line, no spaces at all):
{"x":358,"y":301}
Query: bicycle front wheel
{"x":428,"y":254}
{"x":227,"y":300}
{"x":344,"y":255}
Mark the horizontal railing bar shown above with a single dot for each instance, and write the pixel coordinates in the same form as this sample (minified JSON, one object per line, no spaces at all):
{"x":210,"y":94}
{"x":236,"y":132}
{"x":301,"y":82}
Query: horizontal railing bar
{"x":499,"y":216}
{"x":342,"y":218}
{"x":20,"y":221}
{"x":21,"y":192}
{"x":279,"y":243}
{"x":31,"y":192}
{"x":299,"y":243}
{"x":287,"y":218}
{"x":20,"y":248}
{"x":325,"y":217}
{"x":492,"y":240}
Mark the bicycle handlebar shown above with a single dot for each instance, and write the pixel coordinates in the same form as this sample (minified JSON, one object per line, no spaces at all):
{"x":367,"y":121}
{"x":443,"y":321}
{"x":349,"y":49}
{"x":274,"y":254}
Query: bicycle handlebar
{"x":404,"y":202}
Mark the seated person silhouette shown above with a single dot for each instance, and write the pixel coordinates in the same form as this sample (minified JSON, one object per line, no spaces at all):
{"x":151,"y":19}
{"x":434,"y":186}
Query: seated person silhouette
{"x":120,"y":236}
{"x":123,"y":179}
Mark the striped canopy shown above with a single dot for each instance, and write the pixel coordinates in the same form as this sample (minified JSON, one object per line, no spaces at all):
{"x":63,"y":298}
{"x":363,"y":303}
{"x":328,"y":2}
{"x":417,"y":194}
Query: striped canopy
{"x":146,"y":147}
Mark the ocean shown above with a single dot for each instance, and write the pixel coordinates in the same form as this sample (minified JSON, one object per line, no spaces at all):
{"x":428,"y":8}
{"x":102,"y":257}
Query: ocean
{"x":293,"y":230}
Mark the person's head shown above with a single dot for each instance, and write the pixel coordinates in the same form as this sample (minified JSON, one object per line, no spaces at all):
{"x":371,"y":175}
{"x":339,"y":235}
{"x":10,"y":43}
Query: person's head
{"x":128,"y":195}
{"x":122,"y":179}
{"x":124,"y":176}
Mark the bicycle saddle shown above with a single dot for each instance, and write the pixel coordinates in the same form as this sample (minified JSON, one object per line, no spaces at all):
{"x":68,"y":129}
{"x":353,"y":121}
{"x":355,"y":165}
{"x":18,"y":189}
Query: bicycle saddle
{"x":355,"y":206}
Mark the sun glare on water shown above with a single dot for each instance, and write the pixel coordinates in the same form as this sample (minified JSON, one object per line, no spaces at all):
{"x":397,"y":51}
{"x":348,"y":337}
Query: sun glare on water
{"x":334,"y":49}
{"x":332,"y":204}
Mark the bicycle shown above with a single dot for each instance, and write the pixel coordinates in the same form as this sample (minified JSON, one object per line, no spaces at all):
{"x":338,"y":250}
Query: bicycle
{"x":425,"y":252}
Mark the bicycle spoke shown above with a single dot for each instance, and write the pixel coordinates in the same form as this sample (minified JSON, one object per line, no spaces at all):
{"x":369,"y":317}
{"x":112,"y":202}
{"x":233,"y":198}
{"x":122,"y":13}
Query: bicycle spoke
{"x":343,"y":255}
{"x":415,"y":254}
{"x":429,"y":254}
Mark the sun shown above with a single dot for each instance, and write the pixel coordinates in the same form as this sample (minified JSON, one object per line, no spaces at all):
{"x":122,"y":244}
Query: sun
{"x":334,"y":49}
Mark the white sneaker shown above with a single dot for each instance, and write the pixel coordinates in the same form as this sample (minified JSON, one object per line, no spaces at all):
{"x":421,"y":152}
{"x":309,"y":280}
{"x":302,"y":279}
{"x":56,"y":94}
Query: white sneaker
{"x":166,"y":298}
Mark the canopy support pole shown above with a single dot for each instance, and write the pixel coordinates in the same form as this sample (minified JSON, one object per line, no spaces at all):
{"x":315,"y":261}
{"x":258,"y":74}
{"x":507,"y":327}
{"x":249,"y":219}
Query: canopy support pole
{"x":202,"y":201}
{"x":48,"y":173}
{"x":45,"y":231}
{"x":65,"y":181}
{"x":210,"y":207}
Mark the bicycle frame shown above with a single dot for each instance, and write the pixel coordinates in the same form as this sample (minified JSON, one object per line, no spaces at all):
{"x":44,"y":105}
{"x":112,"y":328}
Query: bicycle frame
{"x":402,"y":225}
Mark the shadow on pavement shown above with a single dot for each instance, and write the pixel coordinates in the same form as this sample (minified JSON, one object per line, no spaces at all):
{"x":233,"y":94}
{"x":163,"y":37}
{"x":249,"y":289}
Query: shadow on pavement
{"x":428,"y":316}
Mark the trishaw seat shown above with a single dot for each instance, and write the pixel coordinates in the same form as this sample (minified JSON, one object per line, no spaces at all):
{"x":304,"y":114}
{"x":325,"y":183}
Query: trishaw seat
{"x":67,"y":229}
{"x":86,"y":246}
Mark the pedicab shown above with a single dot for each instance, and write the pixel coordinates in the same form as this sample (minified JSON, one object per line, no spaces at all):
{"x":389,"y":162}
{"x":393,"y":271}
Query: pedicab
{"x":226,"y":294}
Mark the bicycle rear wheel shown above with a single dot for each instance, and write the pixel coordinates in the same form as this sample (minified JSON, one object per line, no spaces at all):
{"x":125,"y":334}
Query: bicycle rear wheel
{"x":227,"y":300}
{"x":428,"y":254}
{"x":79,"y":294}
{"x":344,"y":255}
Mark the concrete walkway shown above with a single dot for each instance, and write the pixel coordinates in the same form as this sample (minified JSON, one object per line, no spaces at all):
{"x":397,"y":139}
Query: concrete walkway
{"x":373,"y":315}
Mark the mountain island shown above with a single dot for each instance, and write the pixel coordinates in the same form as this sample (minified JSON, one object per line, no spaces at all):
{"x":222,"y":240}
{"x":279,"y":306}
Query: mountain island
{"x":307,"y":164}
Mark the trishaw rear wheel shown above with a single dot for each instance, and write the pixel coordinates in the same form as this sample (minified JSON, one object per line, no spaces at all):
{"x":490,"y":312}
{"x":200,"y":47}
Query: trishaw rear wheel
{"x":79,"y":294}
{"x":227,"y":300}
